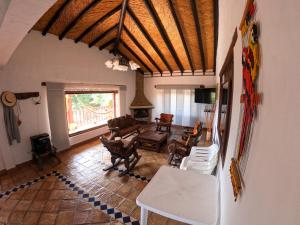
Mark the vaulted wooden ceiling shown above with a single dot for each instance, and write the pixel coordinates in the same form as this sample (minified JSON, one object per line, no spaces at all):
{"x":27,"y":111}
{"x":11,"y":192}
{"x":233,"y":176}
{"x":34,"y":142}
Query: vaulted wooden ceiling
{"x":159,"y":35}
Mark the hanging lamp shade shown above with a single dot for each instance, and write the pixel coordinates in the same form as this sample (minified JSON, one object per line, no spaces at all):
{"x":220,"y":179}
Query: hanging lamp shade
{"x":121,"y":64}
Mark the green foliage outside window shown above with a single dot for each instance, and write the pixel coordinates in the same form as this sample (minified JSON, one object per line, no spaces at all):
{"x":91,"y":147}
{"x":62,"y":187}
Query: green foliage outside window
{"x":93,"y":100}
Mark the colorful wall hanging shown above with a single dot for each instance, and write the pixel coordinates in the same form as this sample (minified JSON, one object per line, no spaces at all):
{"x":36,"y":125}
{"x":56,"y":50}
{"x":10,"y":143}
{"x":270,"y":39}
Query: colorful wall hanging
{"x":250,"y":97}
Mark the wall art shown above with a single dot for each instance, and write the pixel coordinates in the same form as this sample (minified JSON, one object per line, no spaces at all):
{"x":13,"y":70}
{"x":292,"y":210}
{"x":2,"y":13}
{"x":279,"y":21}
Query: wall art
{"x":250,"y":97}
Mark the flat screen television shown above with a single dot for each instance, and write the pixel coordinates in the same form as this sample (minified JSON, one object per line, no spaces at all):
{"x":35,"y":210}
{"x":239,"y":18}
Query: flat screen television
{"x":205,"y":95}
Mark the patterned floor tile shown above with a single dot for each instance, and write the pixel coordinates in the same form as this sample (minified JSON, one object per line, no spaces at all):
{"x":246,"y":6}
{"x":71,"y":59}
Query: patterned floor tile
{"x":65,"y":206}
{"x":28,"y":196}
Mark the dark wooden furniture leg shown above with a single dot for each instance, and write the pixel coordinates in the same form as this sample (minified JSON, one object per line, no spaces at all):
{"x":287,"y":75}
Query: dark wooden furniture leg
{"x":115,"y":162}
{"x":157,"y":145}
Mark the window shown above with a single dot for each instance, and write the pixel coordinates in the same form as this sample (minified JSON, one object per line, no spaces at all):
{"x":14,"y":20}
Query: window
{"x":89,"y":110}
{"x":180,"y":103}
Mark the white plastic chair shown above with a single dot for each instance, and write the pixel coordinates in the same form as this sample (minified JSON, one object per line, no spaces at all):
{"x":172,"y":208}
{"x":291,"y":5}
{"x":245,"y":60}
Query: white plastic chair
{"x":202,"y":159}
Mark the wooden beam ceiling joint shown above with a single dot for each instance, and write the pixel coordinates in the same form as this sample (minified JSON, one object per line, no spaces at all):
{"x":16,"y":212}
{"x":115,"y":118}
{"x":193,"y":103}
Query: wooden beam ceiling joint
{"x":77,"y":18}
{"x":136,"y":56}
{"x":148,"y":37}
{"x":100,"y":20}
{"x":55,"y":17}
{"x":121,"y":24}
{"x":101,"y":36}
{"x":150,"y":55}
{"x":135,"y":41}
{"x":199,"y":35}
{"x":183,"y":40}
{"x":163,"y":33}
{"x":106,"y":44}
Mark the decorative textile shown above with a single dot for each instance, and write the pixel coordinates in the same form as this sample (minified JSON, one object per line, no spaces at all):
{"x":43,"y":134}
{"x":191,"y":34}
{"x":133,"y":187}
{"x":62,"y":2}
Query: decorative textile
{"x":11,"y":125}
{"x":249,"y":98}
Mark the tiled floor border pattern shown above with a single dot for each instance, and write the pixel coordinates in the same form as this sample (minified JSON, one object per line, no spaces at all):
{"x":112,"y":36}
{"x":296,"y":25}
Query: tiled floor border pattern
{"x":131,"y":174}
{"x":112,"y":212}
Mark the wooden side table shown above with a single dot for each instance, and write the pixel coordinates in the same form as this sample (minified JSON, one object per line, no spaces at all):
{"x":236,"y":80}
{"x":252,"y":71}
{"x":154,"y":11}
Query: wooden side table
{"x":185,"y":196}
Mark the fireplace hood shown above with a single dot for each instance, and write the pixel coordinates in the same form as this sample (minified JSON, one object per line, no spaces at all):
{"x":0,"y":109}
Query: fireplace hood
{"x":140,"y":101}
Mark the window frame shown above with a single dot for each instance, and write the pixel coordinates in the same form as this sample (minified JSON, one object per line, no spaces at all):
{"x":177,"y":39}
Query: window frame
{"x":114,"y":92}
{"x":226,"y":76}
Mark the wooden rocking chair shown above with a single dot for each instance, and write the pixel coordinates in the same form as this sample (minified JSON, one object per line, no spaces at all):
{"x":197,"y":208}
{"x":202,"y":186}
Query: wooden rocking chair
{"x":122,"y":150}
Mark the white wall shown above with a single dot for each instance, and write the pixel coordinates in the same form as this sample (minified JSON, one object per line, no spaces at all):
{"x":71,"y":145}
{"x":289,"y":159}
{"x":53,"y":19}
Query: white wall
{"x":16,"y":19}
{"x":2,"y":165}
{"x":272,"y":178}
{"x":151,"y":91}
{"x":3,"y":8}
{"x":39,"y":59}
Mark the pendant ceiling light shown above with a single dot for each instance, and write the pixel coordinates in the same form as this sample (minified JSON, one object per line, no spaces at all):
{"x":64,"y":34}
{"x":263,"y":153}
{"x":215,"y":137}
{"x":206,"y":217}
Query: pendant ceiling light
{"x":121,"y":64}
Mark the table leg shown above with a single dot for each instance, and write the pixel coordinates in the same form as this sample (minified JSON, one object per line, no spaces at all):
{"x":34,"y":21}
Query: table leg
{"x":144,"y":216}
{"x":157,"y":147}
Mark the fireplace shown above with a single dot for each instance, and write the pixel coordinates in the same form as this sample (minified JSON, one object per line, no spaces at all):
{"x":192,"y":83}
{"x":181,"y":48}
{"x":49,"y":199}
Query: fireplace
{"x":142,"y":114}
{"x":141,"y":108}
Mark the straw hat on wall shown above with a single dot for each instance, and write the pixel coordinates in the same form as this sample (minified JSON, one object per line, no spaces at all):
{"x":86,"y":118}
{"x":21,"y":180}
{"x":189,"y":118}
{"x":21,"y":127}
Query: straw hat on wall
{"x":8,"y":99}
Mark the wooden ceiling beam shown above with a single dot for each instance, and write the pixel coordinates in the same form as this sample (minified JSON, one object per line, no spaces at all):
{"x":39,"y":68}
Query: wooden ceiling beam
{"x":135,"y":41}
{"x":55,"y":17}
{"x":103,"y":18}
{"x":77,"y":18}
{"x":102,"y":35}
{"x":183,"y":40}
{"x":216,"y":31}
{"x":199,"y":36}
{"x":106,"y":44}
{"x":163,"y":33}
{"x":136,"y":56}
{"x":121,"y":24}
{"x":148,"y":37}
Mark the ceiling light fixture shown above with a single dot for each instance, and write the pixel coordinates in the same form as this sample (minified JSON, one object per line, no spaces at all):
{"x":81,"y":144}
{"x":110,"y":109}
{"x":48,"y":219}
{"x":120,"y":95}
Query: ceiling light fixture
{"x":121,"y":64}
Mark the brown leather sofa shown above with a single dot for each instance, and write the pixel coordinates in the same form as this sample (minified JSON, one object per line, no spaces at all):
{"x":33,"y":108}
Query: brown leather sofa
{"x":122,"y":126}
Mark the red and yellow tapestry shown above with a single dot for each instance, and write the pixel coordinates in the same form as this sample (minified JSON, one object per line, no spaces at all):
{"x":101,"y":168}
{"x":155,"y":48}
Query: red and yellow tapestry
{"x":250,"y":97}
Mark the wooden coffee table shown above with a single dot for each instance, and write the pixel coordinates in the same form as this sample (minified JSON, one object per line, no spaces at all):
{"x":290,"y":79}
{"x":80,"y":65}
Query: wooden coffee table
{"x":152,"y":140}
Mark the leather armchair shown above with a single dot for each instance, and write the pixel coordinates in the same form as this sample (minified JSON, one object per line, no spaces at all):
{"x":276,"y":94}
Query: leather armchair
{"x":165,"y":120}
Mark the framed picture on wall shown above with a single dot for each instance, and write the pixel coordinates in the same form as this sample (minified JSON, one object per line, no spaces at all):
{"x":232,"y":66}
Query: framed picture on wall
{"x":225,"y":98}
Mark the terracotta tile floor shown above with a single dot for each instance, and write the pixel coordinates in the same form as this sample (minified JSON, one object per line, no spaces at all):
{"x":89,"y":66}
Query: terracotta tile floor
{"x":51,"y":202}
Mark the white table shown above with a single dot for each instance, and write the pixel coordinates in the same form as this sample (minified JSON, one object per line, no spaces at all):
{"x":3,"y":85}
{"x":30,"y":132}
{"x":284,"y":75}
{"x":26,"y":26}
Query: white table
{"x":185,"y":196}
